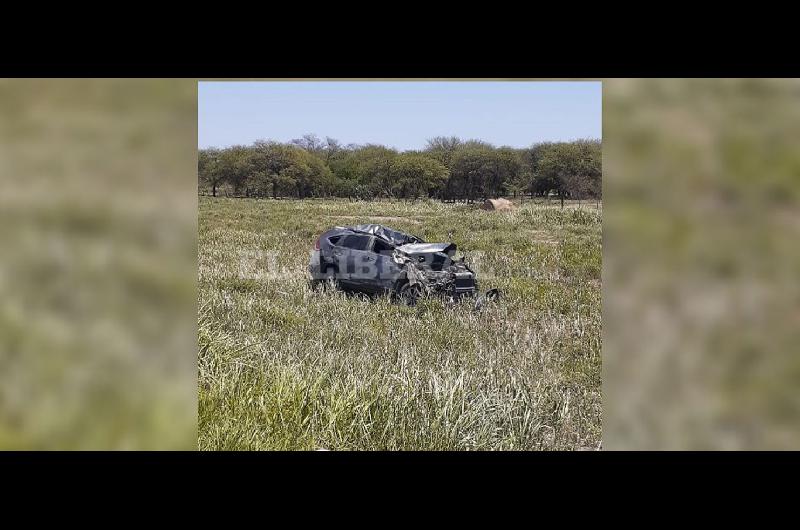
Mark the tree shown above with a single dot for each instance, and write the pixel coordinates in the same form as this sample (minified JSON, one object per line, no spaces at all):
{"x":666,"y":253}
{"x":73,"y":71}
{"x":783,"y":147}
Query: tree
{"x":571,"y":169}
{"x":332,"y":149}
{"x":312,"y":178}
{"x":235,"y":165}
{"x":209,"y":171}
{"x":590,"y":168}
{"x":466,"y":173}
{"x":368,"y":167}
{"x":309,"y":142}
{"x":478,"y":170}
{"x":270,"y":161}
{"x":503,"y":166}
{"x":448,"y":168}
{"x":415,"y":175}
{"x":442,"y":148}
{"x":519,"y":182}
{"x":536,"y":184}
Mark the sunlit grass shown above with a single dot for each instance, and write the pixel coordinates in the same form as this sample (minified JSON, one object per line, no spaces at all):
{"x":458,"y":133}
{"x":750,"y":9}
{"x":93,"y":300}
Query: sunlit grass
{"x":285,"y":367}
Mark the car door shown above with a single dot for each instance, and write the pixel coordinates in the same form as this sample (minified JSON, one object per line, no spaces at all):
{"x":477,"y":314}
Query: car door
{"x":356,"y":262}
{"x":388,"y":270}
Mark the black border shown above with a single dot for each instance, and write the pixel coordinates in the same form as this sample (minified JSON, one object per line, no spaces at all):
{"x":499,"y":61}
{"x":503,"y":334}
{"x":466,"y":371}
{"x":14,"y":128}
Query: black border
{"x":592,"y":41}
{"x":695,"y":66}
{"x":571,"y":476}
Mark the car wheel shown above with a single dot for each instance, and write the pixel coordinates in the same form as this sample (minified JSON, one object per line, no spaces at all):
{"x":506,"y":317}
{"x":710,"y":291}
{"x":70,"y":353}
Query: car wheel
{"x":329,"y":279}
{"x":409,"y":294}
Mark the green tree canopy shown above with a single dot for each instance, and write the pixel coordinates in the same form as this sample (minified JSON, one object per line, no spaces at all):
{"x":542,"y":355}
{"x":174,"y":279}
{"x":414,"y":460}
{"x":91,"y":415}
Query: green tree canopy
{"x":448,"y":168}
{"x":415,"y":175}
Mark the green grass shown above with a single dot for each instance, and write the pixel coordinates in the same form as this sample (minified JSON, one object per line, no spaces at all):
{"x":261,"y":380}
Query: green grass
{"x":98,"y":232}
{"x":285,"y":367}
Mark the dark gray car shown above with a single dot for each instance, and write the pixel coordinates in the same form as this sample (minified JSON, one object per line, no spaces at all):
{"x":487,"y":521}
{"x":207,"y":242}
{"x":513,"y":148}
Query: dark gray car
{"x":373,"y":258}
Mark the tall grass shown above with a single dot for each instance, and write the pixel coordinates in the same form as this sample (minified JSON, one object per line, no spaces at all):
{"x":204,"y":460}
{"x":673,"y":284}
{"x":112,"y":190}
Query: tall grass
{"x":285,"y":367}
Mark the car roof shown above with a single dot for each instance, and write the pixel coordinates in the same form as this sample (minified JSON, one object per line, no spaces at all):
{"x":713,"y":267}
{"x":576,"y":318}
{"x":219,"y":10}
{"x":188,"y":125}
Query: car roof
{"x":389,"y":235}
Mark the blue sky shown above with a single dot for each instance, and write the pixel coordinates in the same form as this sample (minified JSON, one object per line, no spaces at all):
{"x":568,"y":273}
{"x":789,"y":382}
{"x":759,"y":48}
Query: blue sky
{"x":401,"y":114}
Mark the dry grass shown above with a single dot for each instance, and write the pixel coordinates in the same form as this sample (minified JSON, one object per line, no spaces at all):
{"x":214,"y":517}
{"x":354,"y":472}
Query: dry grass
{"x":285,"y":367}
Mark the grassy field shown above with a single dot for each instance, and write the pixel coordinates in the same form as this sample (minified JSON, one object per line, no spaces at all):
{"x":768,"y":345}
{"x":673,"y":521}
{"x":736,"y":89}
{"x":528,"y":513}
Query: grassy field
{"x":285,"y":367}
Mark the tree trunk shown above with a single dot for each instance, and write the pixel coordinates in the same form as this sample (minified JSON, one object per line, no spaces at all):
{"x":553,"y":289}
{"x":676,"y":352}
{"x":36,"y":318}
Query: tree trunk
{"x":214,"y":189}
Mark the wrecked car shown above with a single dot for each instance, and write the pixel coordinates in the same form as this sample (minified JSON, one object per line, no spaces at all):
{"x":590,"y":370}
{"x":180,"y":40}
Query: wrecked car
{"x":376,"y":259}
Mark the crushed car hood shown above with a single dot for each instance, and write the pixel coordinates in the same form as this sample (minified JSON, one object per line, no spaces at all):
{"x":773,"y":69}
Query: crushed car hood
{"x":427,"y":248}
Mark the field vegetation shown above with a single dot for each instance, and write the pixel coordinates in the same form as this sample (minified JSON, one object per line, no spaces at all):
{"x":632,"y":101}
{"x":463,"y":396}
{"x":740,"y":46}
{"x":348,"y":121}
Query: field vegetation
{"x":282,"y":366}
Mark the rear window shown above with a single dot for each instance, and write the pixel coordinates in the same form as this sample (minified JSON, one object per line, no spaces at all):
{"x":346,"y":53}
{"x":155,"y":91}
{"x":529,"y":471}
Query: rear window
{"x":355,"y":242}
{"x":334,"y":239}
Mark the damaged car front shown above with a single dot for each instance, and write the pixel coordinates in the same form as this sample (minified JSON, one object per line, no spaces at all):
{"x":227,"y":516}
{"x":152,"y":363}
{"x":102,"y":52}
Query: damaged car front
{"x":430,"y":269}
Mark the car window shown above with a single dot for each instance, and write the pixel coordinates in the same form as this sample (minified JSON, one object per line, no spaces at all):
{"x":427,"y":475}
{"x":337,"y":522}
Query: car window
{"x":381,"y":247}
{"x":356,"y":242}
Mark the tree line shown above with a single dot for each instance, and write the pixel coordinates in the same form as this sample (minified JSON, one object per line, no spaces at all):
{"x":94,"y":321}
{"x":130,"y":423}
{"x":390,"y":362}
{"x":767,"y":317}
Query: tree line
{"x":449,"y":169}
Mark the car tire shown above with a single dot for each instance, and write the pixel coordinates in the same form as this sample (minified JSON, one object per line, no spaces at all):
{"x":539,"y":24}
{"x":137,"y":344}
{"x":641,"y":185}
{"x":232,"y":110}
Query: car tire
{"x":329,"y":278}
{"x":409,"y":294}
